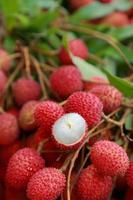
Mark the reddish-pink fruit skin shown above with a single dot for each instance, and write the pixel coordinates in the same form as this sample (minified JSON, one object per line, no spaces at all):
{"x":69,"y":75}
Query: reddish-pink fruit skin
{"x":3,"y":81}
{"x":93,"y":186}
{"x":109,"y":158}
{"x":117,"y":19}
{"x":46,"y":113}
{"x":9,"y":130}
{"x":22,"y":165}
{"x":25,"y":90}
{"x":77,"y":47}
{"x":47,"y":184}
{"x":66,"y":80}
{"x":129,"y":194}
{"x":130,"y":175}
{"x":74,"y":4}
{"x":109,"y":96}
{"x":26,"y":116}
{"x":4,"y":58}
{"x":87,"y":105}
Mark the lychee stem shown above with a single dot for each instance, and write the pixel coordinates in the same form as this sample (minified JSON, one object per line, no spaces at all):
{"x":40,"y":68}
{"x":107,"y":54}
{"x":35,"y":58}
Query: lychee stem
{"x":26,"y":55}
{"x":41,"y":144}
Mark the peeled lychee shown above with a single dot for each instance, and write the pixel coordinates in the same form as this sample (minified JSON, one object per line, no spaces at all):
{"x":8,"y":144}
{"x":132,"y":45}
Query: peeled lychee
{"x":117,"y":19}
{"x":109,"y":158}
{"x":77,"y":47}
{"x":93,"y":186}
{"x":5,"y":63}
{"x":130,"y":175}
{"x":25,"y":90}
{"x":22,"y":165}
{"x":87,"y":105}
{"x":69,"y":131}
{"x":74,"y":4}
{"x":46,"y":184}
{"x":66,"y":80}
{"x":9,"y":130}
{"x":109,"y":96}
{"x":26,"y":116}
{"x":46,"y":113}
{"x":3,"y":81}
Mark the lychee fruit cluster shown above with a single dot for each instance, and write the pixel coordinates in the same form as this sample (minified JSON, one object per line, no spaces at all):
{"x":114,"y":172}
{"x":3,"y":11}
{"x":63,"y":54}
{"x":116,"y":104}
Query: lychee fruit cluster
{"x":5,"y":62}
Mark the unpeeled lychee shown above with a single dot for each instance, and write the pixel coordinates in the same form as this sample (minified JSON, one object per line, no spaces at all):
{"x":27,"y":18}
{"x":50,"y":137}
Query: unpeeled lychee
{"x":130,"y":175}
{"x":87,"y":105}
{"x":109,"y":158}
{"x":46,"y":113}
{"x":109,"y":96}
{"x":9,"y":130}
{"x":69,"y":131}
{"x":74,"y":4}
{"x":77,"y":47}
{"x":3,"y":81}
{"x":93,"y":186}
{"x":5,"y":63}
{"x":22,"y":165}
{"x":25,"y":90}
{"x":26,"y":116}
{"x":66,"y":80}
{"x":46,"y":184}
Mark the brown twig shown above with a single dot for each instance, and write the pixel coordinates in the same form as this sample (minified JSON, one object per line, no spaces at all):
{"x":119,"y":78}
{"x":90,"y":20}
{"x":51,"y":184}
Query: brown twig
{"x":25,"y":51}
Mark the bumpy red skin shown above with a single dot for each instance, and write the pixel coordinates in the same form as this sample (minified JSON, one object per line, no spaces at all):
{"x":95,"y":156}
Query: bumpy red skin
{"x":93,"y":186}
{"x":46,"y":113}
{"x":66,"y":80}
{"x":9,"y":130}
{"x":25,"y":90}
{"x":109,"y":96}
{"x":74,"y":4}
{"x":26,"y":116}
{"x":47,"y":184}
{"x":130,"y":175}
{"x":87,"y":105}
{"x":116,"y":19}
{"x":77,"y":47}
{"x":3,"y":81}
{"x":6,"y":63}
{"x":22,"y":165}
{"x":109,"y":158}
{"x":129,"y":195}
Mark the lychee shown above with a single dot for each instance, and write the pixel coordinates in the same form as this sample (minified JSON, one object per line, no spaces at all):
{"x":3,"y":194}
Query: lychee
{"x":25,"y":90}
{"x":109,"y":158}
{"x":12,"y":194}
{"x":130,"y":175}
{"x":46,"y":184}
{"x":77,"y":47}
{"x":66,"y":80}
{"x":116,"y":19}
{"x":87,"y":105}
{"x":3,"y":81}
{"x":22,"y":165}
{"x":14,"y":111}
{"x":9,"y":130}
{"x":26,"y":116}
{"x":109,"y":96}
{"x":5,"y":63}
{"x":69,"y":131}
{"x":74,"y":4}
{"x":46,"y":113}
{"x":129,"y":194}
{"x":93,"y":186}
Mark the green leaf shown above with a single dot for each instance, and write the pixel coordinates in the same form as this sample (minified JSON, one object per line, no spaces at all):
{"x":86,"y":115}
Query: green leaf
{"x":123,"y":85}
{"x":87,"y":70}
{"x":129,"y":122}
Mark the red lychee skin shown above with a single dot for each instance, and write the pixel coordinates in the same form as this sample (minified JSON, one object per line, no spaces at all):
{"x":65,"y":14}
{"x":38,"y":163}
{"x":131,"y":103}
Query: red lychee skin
{"x":12,"y":194}
{"x":3,"y":81}
{"x":93,"y":186}
{"x":1,"y":192}
{"x":87,"y":105}
{"x":116,"y":19}
{"x":110,"y":97}
{"x":74,"y":4}
{"x":77,"y":47}
{"x":47,"y":184}
{"x":66,"y":80}
{"x":93,"y":82}
{"x":9,"y":130}
{"x":109,"y":158}
{"x":130,"y":175}
{"x":129,"y":194}
{"x":5,"y":63}
{"x":26,"y":116}
{"x":25,"y":90}
{"x":22,"y":165}
{"x":46,"y":113}
{"x":14,"y":111}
